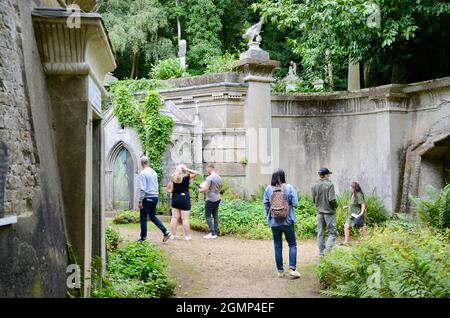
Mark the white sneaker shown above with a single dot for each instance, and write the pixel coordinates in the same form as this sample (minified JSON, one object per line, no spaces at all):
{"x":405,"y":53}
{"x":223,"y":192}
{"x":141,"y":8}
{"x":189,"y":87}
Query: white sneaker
{"x":188,"y":238}
{"x":210,"y":236}
{"x":294,"y":274}
{"x":280,"y":274}
{"x":173,"y":237}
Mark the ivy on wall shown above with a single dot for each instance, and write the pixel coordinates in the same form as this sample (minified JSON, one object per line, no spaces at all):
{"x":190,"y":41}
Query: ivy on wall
{"x":154,"y":129}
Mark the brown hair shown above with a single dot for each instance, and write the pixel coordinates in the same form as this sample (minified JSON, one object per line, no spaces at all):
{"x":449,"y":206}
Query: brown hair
{"x":211,"y":165}
{"x":355,"y":189}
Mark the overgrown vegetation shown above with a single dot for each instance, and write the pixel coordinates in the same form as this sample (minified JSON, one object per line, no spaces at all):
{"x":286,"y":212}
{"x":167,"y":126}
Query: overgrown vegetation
{"x":126,"y":217}
{"x":112,"y":239}
{"x":435,"y":211}
{"x":167,"y":69}
{"x":153,"y":127}
{"x":401,"y":260}
{"x":220,"y":64}
{"x":395,"y":41}
{"x":248,"y":218}
{"x":136,"y":271}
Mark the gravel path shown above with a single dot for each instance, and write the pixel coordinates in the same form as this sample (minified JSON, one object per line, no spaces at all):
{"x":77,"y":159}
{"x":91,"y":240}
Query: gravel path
{"x":232,"y":267}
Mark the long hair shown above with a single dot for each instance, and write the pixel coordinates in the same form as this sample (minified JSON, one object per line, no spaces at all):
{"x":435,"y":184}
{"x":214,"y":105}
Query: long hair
{"x":278,"y":178}
{"x":356,"y":188}
{"x":177,"y":174}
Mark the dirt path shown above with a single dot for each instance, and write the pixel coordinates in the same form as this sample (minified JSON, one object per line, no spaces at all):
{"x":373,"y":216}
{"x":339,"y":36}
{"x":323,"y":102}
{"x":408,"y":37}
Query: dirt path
{"x":232,"y":267}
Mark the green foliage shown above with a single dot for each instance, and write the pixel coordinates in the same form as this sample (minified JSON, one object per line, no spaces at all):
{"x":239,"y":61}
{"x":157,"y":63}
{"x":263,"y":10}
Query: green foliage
{"x":306,"y":217}
{"x":135,"y":29}
{"x":112,"y":238}
{"x":194,"y":185}
{"x":203,"y":28}
{"x":303,"y":86}
{"x":220,"y":64}
{"x":329,"y":32}
{"x":167,"y":69}
{"x":436,"y":210}
{"x":126,"y":217}
{"x":137,"y":271}
{"x":237,"y":217}
{"x":411,"y":263}
{"x":136,"y":86}
{"x":155,"y":131}
{"x":248,"y":218}
{"x":154,"y":128}
{"x":125,"y":106}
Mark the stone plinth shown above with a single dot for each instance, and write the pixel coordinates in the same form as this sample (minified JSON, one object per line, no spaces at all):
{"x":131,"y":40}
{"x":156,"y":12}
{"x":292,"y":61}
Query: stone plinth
{"x":261,"y":156}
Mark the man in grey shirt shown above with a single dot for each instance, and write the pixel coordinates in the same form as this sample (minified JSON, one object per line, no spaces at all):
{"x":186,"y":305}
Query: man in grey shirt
{"x":211,"y":187}
{"x":148,"y":199}
{"x":324,"y":198}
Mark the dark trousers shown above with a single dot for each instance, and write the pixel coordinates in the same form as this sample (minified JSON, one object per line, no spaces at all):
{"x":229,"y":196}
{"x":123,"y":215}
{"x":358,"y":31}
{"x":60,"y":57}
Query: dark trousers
{"x":149,"y":211}
{"x":212,"y":212}
{"x":289,"y":233}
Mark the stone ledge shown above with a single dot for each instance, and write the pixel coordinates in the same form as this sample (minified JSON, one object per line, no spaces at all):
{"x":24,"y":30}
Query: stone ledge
{"x":8,"y":220}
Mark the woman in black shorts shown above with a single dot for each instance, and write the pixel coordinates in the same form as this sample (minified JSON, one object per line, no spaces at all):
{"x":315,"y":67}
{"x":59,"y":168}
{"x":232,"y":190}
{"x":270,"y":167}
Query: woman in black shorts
{"x":181,"y":201}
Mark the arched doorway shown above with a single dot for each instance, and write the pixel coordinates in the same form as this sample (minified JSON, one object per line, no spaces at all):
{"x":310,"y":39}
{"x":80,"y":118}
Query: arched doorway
{"x":427,"y":163}
{"x":123,"y":180}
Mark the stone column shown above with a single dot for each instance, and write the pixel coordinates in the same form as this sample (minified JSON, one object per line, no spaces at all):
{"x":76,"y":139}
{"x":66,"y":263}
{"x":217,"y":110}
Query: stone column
{"x":76,"y":60}
{"x":354,"y":78}
{"x":198,"y":144}
{"x":261,"y":154}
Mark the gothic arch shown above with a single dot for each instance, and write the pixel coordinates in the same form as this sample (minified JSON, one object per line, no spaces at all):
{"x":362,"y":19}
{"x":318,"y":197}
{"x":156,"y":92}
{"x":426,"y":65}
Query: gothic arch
{"x":109,"y":176}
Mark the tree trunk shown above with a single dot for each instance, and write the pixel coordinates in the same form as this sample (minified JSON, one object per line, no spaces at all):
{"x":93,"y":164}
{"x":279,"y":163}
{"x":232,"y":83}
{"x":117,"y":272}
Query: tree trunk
{"x":135,"y":66}
{"x":178,"y":24}
{"x":330,"y":72}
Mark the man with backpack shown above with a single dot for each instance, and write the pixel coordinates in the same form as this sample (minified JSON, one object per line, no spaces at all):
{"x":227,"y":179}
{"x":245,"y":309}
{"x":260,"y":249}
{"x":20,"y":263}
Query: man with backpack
{"x":324,"y":198}
{"x":280,"y":199}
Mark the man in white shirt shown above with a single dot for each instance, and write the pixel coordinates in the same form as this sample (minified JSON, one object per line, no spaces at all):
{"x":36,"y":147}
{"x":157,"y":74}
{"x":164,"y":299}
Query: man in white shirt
{"x":148,"y":199}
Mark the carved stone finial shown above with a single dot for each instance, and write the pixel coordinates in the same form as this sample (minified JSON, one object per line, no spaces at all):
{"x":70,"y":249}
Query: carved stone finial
{"x":253,"y":34}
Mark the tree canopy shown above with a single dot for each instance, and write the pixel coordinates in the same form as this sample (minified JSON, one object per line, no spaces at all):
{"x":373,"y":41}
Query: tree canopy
{"x":394,"y":40}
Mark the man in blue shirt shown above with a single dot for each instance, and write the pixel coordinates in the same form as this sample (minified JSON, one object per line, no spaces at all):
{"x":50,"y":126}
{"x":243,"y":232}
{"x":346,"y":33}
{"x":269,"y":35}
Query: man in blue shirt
{"x":148,"y":199}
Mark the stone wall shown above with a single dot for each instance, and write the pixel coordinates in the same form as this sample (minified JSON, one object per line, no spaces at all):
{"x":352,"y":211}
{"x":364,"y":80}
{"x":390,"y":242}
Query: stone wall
{"x":217,"y":101}
{"x":361,"y":136}
{"x":33,"y":254}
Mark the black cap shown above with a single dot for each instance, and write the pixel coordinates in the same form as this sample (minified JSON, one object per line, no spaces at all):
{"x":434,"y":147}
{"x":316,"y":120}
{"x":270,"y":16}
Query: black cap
{"x":324,"y":171}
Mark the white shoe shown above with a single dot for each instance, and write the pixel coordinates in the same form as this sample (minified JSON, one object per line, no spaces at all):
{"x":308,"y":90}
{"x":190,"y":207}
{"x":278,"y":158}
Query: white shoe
{"x":173,"y":237}
{"x":188,"y":238}
{"x":294,"y":274}
{"x":210,"y":236}
{"x":280,"y":274}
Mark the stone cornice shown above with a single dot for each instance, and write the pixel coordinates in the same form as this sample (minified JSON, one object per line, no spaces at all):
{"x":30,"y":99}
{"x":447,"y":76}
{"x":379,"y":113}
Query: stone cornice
{"x":257,"y":70}
{"x":73,"y":51}
{"x":386,"y":98}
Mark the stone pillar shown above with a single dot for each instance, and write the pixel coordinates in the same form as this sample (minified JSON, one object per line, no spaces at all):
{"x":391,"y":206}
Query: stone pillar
{"x":76,"y":60}
{"x":198,"y":144}
{"x":354,"y":77}
{"x":261,"y":153}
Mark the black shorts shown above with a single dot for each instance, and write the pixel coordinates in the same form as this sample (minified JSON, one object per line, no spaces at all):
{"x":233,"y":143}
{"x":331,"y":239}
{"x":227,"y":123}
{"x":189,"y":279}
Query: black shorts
{"x":181,"y":201}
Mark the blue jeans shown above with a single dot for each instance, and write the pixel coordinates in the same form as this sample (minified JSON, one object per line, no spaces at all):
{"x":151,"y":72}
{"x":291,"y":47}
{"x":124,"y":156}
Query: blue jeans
{"x":212,"y":212}
{"x":289,"y":233}
{"x":149,"y":210}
